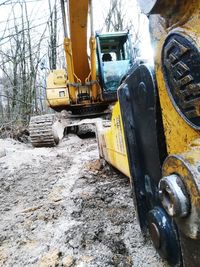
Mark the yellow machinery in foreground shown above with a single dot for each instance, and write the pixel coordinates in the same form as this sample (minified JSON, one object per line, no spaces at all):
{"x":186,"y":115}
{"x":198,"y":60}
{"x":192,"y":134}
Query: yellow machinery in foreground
{"x":90,"y":83}
{"x":154,"y":135}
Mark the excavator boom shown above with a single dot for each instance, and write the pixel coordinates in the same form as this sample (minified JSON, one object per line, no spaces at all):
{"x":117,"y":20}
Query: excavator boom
{"x":78,"y":20}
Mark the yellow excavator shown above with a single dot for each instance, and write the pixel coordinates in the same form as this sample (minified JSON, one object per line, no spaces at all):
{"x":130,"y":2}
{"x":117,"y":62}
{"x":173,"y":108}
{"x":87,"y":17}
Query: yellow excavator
{"x":154,"y":136}
{"x":89,"y":84}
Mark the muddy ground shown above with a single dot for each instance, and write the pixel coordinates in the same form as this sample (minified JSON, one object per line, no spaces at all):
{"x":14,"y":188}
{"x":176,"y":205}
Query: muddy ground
{"x":62,"y":207}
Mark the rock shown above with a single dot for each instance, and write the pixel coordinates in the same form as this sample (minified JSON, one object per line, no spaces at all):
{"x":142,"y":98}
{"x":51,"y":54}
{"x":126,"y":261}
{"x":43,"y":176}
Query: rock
{"x":76,"y":242}
{"x":7,"y":187}
{"x":67,"y":261}
{"x":2,"y":152}
{"x":6,"y":209}
{"x":50,"y":259}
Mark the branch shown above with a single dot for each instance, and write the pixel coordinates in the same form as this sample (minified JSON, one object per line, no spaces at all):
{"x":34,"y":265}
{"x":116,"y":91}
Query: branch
{"x":18,"y":100}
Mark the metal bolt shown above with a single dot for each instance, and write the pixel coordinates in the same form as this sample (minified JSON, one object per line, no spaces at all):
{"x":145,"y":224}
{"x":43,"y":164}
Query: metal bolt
{"x":174,"y":196}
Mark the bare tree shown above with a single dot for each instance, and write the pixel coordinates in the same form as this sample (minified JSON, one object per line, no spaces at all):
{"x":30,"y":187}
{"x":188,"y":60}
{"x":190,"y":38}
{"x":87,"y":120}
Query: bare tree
{"x":114,"y":19}
{"x":20,"y":65}
{"x":53,"y":35}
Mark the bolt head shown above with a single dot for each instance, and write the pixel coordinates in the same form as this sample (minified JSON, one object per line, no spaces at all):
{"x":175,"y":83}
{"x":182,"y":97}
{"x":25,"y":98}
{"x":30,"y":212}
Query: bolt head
{"x":173,"y":195}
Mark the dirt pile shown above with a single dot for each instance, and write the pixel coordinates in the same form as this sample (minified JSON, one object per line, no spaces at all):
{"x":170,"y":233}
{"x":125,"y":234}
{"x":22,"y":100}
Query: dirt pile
{"x":62,"y":207}
{"x":19,"y":133}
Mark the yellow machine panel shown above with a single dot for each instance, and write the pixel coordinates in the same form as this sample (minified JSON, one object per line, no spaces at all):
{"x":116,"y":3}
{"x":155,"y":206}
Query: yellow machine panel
{"x":57,"y":91}
{"x":112,"y":144}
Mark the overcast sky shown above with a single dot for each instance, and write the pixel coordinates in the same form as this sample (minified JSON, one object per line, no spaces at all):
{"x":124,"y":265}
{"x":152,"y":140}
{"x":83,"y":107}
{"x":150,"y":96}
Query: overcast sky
{"x":39,"y":13}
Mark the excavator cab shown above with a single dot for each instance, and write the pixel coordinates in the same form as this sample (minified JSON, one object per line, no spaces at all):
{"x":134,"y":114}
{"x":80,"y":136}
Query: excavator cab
{"x":114,"y":61}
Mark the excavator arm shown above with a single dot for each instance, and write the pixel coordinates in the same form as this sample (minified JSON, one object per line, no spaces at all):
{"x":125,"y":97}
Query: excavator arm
{"x":78,"y":20}
{"x":79,"y":70}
